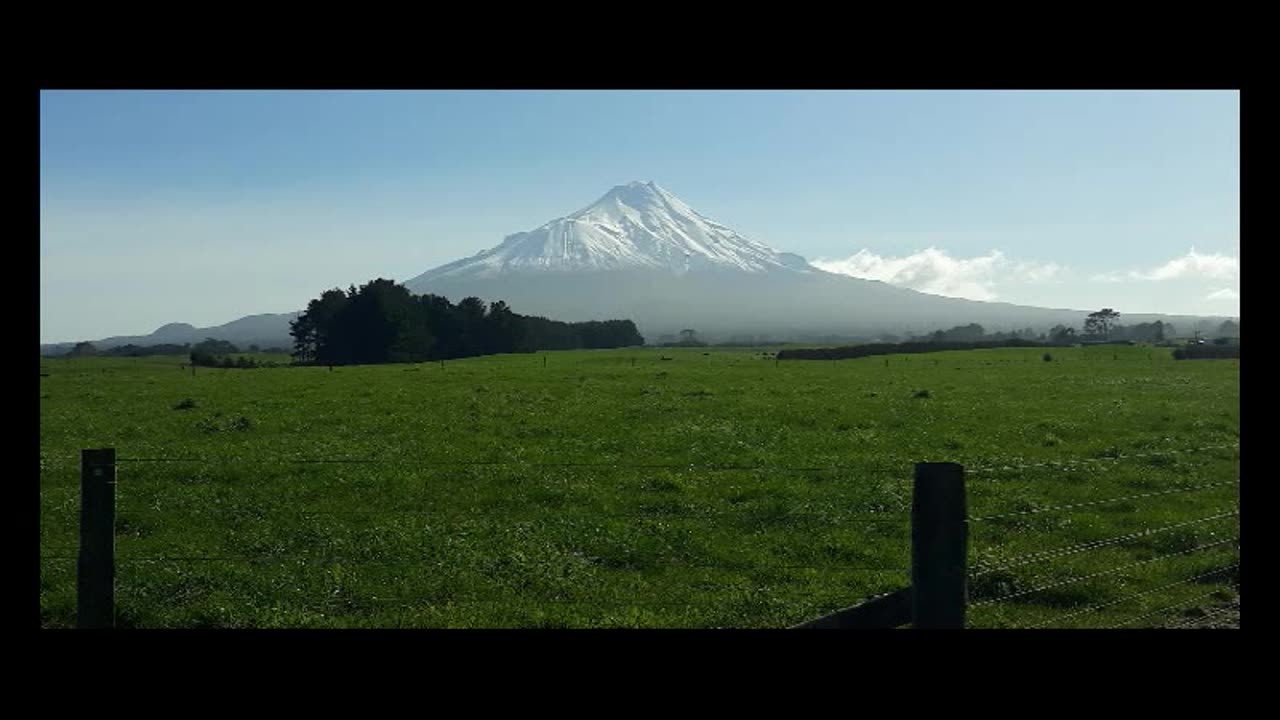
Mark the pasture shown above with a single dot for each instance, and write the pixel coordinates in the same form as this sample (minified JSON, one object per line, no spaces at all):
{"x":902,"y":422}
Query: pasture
{"x":614,"y":488}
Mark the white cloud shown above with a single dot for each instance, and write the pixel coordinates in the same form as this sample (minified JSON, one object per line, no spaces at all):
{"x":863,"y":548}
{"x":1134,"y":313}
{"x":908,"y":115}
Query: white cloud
{"x":1193,"y":264}
{"x":934,"y":271}
{"x":1032,"y":272}
{"x":1223,"y":294}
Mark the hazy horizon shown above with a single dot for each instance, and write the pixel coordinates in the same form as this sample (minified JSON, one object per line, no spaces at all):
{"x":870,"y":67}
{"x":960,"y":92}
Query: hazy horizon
{"x":204,"y":207}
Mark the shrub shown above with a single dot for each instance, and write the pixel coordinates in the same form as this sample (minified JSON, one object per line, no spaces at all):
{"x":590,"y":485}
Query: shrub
{"x":1048,"y":357}
{"x":1207,"y":352}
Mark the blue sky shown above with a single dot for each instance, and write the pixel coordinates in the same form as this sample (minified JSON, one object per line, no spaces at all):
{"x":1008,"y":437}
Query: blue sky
{"x":202,"y":207}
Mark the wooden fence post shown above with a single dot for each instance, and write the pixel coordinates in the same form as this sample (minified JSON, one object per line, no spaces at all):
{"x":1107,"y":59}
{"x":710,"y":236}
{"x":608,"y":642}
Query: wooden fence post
{"x":96,"y":569}
{"x":939,"y":546}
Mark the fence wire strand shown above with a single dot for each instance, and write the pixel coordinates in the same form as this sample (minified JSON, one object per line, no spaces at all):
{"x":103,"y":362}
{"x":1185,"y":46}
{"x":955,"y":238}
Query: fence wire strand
{"x":709,"y":467}
{"x":1045,"y":556}
{"x":1066,"y":464}
{"x":1099,"y":574}
{"x":1073,"y":506}
{"x":1094,"y":608}
{"x":640,"y":603}
{"x":877,"y":516}
{"x":1192,"y":622}
{"x":1165,"y":609}
{"x":517,"y":464}
{"x":433,"y":562}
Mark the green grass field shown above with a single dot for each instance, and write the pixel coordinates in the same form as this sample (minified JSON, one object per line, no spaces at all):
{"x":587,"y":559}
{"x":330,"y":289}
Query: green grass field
{"x":617,"y":489}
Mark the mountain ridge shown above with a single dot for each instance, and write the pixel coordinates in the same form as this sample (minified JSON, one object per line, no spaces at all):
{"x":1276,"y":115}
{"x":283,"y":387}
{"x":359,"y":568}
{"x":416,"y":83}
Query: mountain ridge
{"x":633,"y":226}
{"x":641,"y":253}
{"x":263,"y":329}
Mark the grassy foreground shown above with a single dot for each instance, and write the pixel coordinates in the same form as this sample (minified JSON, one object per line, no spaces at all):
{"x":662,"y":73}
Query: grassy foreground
{"x":617,"y":489}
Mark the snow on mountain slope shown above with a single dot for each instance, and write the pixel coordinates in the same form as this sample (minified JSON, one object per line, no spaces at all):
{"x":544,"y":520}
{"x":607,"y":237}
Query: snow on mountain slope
{"x":634,"y":226}
{"x":641,"y":253}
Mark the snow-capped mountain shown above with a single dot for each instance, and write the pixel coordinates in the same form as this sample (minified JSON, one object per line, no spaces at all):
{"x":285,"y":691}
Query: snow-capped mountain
{"x":633,"y":226}
{"x":639,"y":252}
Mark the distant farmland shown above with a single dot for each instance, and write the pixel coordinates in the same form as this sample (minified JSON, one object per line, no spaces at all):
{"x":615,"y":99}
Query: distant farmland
{"x":717,"y":488}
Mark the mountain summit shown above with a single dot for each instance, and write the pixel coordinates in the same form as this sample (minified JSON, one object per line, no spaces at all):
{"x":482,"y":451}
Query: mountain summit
{"x":639,"y":252}
{"x":632,"y":227}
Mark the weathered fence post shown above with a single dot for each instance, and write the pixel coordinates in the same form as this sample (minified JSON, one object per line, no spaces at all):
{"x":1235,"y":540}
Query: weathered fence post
{"x":939,"y":546}
{"x":96,"y":570}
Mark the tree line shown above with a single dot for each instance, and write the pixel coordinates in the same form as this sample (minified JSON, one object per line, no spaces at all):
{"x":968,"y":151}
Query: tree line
{"x":206,"y":348}
{"x":924,"y":346}
{"x":217,"y":354}
{"x":382,"y":322}
{"x":1102,"y":327}
{"x":1099,"y":327}
{"x":1216,"y":351}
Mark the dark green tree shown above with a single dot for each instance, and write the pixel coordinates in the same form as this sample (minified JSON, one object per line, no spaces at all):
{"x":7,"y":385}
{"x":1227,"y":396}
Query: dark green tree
{"x":1098,"y":324}
{"x":83,"y":349}
{"x":1062,"y":334}
{"x":382,"y":322}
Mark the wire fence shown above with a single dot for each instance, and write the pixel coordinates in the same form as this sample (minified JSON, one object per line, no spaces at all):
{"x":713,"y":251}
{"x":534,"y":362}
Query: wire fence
{"x":1165,"y":610}
{"x":1036,"y":557}
{"x":1087,"y":462}
{"x":160,"y":499}
{"x":981,"y":467}
{"x":1107,"y":501}
{"x":1131,"y":596}
{"x":1038,"y":581}
{"x":894,"y":470}
{"x":1195,"y":621}
{"x":857,"y":516}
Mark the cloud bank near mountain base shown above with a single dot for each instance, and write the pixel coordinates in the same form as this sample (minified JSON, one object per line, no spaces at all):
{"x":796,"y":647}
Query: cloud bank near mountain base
{"x":936,"y":272}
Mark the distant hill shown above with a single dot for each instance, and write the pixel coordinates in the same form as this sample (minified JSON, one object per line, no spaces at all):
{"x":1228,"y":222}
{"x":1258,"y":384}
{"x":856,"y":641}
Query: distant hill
{"x":266,"y":330}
